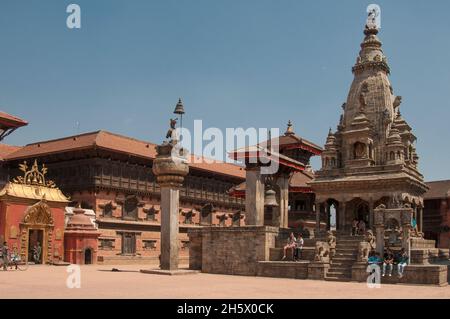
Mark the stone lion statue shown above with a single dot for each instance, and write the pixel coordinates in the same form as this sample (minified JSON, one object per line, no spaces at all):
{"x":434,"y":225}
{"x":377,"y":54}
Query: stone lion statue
{"x":322,"y":252}
{"x":331,"y":239}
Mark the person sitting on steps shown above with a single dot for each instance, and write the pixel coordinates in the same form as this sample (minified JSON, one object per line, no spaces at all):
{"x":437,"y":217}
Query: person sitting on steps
{"x":291,"y":243}
{"x":298,"y":247}
{"x":388,"y":262}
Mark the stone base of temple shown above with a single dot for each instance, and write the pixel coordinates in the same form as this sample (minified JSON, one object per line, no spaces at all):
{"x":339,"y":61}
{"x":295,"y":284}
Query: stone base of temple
{"x":178,"y":272}
{"x":436,"y":275}
{"x":257,"y":251}
{"x":283,"y":269}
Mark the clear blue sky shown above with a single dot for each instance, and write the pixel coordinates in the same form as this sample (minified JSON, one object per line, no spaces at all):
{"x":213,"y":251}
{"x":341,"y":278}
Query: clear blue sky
{"x":235,"y":63}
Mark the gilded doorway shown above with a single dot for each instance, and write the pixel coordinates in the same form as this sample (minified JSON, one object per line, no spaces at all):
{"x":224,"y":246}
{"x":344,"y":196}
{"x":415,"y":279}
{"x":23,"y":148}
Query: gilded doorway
{"x":37,"y":230}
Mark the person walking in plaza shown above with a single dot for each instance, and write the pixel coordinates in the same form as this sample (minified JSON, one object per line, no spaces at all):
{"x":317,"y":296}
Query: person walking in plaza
{"x":5,"y":255}
{"x":388,"y":262}
{"x":402,"y":261}
{"x":298,"y":247}
{"x":291,"y":243}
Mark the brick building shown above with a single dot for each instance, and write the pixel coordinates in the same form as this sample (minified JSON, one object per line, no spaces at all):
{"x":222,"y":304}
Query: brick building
{"x":436,"y":220}
{"x":111,"y":174}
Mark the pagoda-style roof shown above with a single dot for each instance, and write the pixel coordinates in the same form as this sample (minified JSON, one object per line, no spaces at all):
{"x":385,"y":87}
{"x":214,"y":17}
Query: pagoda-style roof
{"x":298,"y":183}
{"x":9,"y":123}
{"x":258,"y":153}
{"x":115,"y":143}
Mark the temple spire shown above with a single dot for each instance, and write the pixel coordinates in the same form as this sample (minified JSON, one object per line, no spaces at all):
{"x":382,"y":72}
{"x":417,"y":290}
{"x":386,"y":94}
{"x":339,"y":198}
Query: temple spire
{"x":371,"y":55}
{"x":289,"y":129}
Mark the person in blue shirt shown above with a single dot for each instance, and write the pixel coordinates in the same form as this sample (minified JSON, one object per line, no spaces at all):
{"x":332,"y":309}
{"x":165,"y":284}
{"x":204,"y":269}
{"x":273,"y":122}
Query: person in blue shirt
{"x":402,"y":261}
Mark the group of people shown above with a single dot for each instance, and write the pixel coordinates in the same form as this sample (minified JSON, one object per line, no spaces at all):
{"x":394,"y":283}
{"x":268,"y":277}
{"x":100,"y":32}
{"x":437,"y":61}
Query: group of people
{"x":296,"y":244}
{"x":358,"y":227}
{"x":389,"y":260}
{"x":13,"y":258}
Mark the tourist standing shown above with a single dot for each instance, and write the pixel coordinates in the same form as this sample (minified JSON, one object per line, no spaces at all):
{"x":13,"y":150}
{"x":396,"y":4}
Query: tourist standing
{"x":291,"y":244}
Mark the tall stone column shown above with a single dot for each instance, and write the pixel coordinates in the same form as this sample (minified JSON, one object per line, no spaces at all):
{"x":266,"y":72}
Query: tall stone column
{"x":371,"y":212}
{"x":254,"y":197}
{"x":170,"y":171}
{"x":420,"y":219}
{"x":342,"y":216}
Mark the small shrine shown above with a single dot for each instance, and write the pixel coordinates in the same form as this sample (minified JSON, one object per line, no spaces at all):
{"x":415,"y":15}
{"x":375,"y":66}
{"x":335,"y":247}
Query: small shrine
{"x":80,"y":239}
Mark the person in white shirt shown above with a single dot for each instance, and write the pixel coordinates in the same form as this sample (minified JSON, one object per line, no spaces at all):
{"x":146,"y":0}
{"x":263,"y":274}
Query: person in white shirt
{"x":298,"y":247}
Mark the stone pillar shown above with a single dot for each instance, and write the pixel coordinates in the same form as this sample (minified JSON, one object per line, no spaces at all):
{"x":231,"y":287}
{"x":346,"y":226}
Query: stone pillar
{"x":317,"y":208}
{"x":371,"y":212}
{"x":342,"y":217}
{"x":420,"y":219}
{"x":380,"y":238}
{"x":283,"y":184}
{"x":254,"y":197}
{"x":379,"y":229}
{"x":170,"y":171}
{"x":169,"y":227}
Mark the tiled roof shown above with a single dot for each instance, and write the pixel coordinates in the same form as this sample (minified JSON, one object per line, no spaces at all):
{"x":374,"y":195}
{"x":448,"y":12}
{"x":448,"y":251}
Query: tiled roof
{"x":438,"y":189}
{"x":5,"y":150}
{"x":11,"y":120}
{"x":298,"y":179}
{"x":116,"y":143}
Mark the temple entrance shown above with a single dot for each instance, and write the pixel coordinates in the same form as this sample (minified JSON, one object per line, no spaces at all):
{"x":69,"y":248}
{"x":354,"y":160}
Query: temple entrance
{"x":35,"y":244}
{"x":332,"y":217}
{"x":88,"y":256}
{"x":362,"y":213}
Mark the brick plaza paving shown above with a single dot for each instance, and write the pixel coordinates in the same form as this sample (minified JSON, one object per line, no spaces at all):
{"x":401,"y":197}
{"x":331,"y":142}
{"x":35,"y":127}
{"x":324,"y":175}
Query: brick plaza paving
{"x":98,"y":281}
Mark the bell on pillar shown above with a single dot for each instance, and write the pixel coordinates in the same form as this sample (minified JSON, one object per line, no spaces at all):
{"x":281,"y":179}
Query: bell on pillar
{"x":270,"y":199}
{"x":179,"y":109}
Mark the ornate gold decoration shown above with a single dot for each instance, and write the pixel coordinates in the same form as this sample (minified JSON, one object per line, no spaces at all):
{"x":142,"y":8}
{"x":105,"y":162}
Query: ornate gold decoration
{"x":34,"y":176}
{"x":39,"y":214}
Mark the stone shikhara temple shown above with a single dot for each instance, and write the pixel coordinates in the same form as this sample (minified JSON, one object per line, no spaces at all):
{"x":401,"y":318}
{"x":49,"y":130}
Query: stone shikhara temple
{"x":369,"y":173}
{"x":233,"y":219}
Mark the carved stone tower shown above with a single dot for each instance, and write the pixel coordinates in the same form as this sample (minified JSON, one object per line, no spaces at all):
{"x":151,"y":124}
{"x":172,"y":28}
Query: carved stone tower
{"x":371,"y":158}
